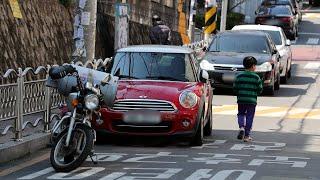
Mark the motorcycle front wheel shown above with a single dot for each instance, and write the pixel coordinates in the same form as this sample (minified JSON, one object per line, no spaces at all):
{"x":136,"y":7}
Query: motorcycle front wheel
{"x":67,"y":158}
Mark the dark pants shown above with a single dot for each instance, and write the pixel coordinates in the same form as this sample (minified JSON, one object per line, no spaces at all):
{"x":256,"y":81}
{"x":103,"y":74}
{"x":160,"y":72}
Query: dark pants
{"x":245,"y":117}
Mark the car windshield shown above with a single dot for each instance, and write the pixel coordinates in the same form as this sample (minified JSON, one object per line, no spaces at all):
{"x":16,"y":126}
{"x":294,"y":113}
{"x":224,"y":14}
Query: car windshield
{"x":240,"y":44}
{"x":154,"y":66}
{"x":275,"y":36}
{"x":274,"y":10}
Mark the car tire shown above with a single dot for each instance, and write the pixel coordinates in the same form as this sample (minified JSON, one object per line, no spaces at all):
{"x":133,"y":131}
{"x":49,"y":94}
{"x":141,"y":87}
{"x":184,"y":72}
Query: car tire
{"x":277,"y":83}
{"x":208,"y":127}
{"x":197,"y":139}
{"x":289,"y":73}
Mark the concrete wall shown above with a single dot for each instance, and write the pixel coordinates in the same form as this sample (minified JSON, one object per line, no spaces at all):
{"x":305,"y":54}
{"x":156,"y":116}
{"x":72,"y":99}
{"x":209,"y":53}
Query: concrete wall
{"x":141,"y":12}
{"x":248,"y":8}
{"x":43,"y":36}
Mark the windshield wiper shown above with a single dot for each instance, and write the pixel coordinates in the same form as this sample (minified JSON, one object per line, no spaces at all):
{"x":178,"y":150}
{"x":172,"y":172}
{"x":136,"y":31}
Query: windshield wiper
{"x":127,"y":77}
{"x":163,"y":78}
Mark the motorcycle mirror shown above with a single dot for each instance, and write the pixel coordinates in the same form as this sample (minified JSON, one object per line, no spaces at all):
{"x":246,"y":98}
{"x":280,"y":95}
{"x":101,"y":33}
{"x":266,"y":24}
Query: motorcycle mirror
{"x":106,"y":79}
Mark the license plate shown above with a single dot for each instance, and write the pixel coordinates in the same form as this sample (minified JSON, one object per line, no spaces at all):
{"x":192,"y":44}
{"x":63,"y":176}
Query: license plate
{"x":142,"y":117}
{"x":228,"y":77}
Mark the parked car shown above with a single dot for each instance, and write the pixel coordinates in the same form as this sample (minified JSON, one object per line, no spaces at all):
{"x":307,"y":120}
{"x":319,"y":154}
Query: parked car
{"x":294,"y":5}
{"x":224,"y":58}
{"x":282,"y":43}
{"x":161,"y":91}
{"x":279,"y":15}
{"x":314,"y":2}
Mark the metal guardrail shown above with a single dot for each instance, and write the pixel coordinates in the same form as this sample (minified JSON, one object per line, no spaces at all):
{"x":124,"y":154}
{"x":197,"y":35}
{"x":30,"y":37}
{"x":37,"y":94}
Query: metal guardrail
{"x":23,"y":92}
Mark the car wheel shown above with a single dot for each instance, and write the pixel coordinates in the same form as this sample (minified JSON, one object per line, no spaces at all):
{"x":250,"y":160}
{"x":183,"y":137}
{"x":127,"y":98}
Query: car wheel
{"x":277,"y":83}
{"x":289,"y":73}
{"x":208,"y":126}
{"x":197,"y":139}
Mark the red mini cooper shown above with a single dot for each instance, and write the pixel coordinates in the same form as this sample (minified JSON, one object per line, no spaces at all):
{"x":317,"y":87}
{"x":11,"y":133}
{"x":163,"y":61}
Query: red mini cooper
{"x":161,"y":91}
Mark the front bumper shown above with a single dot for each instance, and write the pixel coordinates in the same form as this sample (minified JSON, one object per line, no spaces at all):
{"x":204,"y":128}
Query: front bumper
{"x":225,"y":79}
{"x":171,"y":124}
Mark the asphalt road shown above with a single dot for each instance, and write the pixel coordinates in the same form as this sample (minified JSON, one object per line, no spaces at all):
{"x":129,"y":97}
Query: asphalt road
{"x":286,"y":138}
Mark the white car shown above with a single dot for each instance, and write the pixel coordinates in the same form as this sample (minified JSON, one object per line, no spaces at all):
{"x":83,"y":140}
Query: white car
{"x":282,"y":44}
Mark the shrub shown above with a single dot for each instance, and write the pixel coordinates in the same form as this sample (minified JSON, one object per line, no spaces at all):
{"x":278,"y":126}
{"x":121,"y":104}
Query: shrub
{"x":232,"y":20}
{"x":66,"y":3}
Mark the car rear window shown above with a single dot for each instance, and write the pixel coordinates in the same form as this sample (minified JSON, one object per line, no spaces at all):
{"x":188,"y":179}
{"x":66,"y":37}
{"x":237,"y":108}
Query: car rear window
{"x":275,"y":10}
{"x":240,"y":44}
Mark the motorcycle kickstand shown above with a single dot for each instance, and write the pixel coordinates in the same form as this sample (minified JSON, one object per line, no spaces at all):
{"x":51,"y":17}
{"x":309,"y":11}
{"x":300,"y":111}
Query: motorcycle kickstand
{"x":94,"y":155}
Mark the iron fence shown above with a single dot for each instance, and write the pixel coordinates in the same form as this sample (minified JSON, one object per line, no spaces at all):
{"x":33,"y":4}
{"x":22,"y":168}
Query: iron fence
{"x":23,"y":92}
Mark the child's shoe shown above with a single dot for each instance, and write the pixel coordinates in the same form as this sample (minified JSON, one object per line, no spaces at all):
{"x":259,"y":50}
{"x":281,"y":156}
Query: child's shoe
{"x":247,"y":139}
{"x":241,"y":134}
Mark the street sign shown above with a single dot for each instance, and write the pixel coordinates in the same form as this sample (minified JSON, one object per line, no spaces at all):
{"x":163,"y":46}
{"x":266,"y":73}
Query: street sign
{"x":14,"y":4}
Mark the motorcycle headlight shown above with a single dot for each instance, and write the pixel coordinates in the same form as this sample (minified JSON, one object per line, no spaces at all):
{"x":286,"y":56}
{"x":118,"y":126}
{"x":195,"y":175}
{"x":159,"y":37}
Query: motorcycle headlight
{"x":188,"y":99}
{"x":206,"y":65}
{"x":265,"y":67}
{"x":91,"y":101}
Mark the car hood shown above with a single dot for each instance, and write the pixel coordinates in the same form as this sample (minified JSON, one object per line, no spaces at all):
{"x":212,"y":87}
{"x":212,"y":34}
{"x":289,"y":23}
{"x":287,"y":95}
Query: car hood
{"x":234,"y":58}
{"x":162,"y":90}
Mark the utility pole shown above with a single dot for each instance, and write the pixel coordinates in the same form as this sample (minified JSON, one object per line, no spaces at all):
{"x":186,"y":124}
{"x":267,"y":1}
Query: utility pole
{"x":224,"y":12}
{"x":210,"y":19}
{"x":192,"y":20}
{"x":85,"y":30}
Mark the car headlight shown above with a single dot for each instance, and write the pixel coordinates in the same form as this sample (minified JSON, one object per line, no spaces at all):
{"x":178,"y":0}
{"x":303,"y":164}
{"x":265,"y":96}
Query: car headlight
{"x":188,"y":99}
{"x":91,"y":101}
{"x":265,"y":67}
{"x":206,"y":65}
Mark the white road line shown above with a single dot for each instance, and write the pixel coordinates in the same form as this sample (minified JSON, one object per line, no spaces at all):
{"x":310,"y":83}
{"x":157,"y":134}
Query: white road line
{"x":312,"y":65}
{"x":313,"y":41}
{"x":307,"y":33}
{"x":38,"y":174}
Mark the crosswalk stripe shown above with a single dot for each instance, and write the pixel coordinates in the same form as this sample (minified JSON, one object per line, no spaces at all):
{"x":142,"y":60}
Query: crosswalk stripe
{"x":268,"y":111}
{"x":313,"y":41}
{"x":312,"y":66}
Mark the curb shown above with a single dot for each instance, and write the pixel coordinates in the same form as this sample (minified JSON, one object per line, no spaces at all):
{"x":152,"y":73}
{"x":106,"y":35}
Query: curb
{"x":14,"y":150}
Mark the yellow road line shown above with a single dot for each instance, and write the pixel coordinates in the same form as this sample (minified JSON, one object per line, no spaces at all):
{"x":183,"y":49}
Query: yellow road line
{"x":24,"y":165}
{"x":271,"y":110}
{"x":307,"y":114}
{"x":217,"y":109}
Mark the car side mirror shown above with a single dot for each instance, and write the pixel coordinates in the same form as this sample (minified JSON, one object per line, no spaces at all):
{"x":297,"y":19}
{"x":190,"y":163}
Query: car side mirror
{"x":204,"y":49}
{"x":274,"y":51}
{"x":204,"y":76}
{"x":288,"y":42}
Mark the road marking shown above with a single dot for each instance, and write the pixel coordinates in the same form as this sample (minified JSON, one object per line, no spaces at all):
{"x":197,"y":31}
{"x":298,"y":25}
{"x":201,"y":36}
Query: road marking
{"x":308,"y":33}
{"x":23,"y":165}
{"x":312,"y":66}
{"x":268,"y":111}
{"x":79,"y":173}
{"x":38,"y":174}
{"x":313,"y":41}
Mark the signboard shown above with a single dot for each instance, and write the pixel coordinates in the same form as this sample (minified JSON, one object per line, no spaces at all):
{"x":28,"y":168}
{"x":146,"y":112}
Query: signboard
{"x":121,"y":26}
{"x":14,"y":4}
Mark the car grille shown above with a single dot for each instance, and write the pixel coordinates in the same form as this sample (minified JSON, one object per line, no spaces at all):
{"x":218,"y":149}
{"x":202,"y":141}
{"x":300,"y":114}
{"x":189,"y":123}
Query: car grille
{"x":226,"y":68}
{"x":157,"y":105}
{"x":121,"y":126}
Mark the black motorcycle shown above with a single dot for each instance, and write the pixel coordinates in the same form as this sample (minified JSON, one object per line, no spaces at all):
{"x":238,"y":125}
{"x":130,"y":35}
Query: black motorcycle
{"x":73,"y":137}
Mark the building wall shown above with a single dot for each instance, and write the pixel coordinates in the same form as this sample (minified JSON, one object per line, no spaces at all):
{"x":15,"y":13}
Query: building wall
{"x":174,"y":13}
{"x":248,"y":8}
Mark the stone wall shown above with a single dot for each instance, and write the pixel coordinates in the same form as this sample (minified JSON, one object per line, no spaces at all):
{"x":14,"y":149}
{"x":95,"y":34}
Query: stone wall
{"x":43,"y":36}
{"x":140,"y":23}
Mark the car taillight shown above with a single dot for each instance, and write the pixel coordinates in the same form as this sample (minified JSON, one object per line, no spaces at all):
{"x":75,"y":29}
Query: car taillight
{"x":260,"y":20}
{"x":286,"y":19}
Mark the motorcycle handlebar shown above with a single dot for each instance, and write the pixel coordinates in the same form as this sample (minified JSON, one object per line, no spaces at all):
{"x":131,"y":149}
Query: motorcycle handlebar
{"x":61,"y":71}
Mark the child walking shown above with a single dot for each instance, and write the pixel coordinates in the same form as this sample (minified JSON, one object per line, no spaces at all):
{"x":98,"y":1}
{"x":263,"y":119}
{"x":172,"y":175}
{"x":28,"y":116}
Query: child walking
{"x":247,"y":87}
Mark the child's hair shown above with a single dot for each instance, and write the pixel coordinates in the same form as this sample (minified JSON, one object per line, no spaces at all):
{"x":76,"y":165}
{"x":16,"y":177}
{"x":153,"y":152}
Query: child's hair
{"x":249,"y":61}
